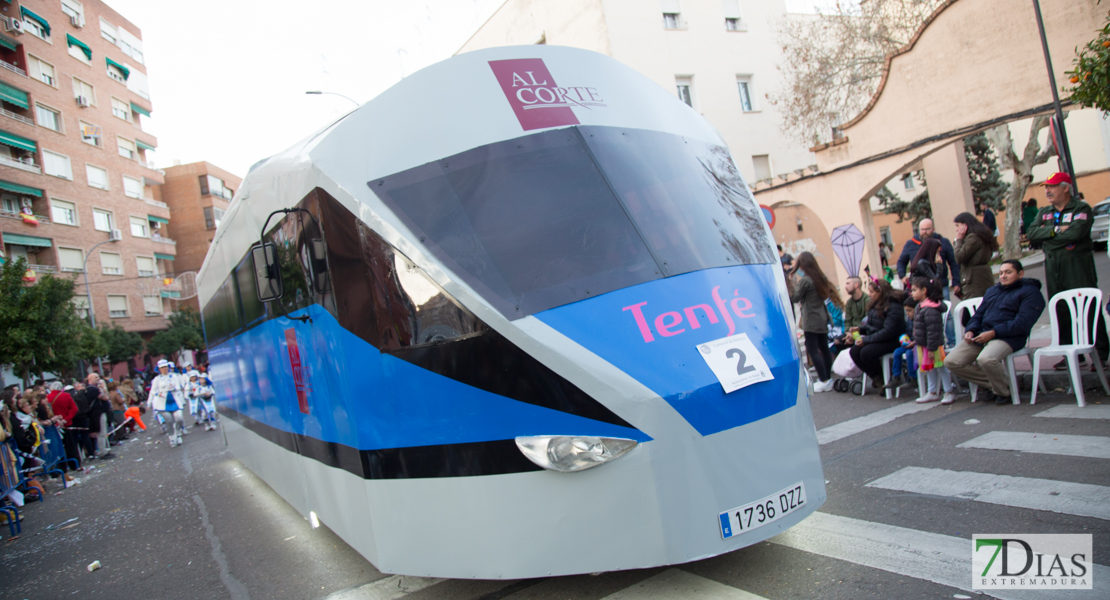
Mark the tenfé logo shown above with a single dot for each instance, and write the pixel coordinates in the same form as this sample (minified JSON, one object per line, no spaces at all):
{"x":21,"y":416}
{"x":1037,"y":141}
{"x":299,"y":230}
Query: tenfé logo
{"x":536,"y":99}
{"x":300,"y":371}
{"x":1028,"y":561}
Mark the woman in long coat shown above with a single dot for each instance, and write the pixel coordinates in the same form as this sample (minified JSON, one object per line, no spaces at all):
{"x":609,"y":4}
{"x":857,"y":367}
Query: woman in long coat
{"x":975,"y":245}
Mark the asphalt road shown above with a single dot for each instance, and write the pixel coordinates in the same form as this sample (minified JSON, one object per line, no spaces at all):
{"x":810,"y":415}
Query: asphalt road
{"x":193,"y":523}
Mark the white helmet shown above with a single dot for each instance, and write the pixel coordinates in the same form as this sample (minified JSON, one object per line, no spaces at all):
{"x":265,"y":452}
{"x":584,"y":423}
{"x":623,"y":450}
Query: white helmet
{"x":164,"y":363}
{"x":194,"y":373}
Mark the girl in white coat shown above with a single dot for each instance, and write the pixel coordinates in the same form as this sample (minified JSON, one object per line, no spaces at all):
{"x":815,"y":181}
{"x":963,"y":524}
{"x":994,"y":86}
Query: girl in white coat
{"x":166,"y":399}
{"x":201,"y":391}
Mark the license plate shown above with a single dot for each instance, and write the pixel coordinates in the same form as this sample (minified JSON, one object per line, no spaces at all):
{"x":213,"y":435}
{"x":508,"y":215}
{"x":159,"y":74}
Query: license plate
{"x":763,"y":511}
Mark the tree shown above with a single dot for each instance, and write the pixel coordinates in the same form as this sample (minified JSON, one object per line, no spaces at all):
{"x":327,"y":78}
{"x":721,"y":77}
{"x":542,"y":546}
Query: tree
{"x":184,"y":333}
{"x":832,"y":64}
{"x":1023,"y":175}
{"x":1091,"y":73}
{"x":987,"y":186}
{"x":912,"y":210}
{"x":41,"y":328}
{"x":121,"y":345}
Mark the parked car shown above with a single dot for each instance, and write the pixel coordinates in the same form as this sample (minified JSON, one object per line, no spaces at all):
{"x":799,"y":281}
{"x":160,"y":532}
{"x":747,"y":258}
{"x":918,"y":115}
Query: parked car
{"x":1100,"y":229}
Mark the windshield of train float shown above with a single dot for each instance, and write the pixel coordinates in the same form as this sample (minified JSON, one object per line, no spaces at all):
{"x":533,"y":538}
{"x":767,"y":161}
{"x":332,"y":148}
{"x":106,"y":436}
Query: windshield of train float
{"x":569,"y":214}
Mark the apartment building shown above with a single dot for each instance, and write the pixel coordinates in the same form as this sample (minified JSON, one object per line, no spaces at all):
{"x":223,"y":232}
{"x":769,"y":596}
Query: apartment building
{"x":78,"y":189}
{"x":718,"y":56}
{"x":198,"y":195}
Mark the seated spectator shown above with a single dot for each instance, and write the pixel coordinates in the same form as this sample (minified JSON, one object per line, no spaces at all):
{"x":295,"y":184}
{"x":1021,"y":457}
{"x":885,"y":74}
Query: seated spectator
{"x":1000,"y":327}
{"x":905,"y":359}
{"x":885,"y":323}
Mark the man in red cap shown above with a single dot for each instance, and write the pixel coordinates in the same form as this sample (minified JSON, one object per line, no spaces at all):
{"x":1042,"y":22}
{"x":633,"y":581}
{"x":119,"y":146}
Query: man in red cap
{"x":1063,"y":229}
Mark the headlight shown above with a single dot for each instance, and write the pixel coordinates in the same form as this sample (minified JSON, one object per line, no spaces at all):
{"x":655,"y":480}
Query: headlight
{"x":572,"y":453}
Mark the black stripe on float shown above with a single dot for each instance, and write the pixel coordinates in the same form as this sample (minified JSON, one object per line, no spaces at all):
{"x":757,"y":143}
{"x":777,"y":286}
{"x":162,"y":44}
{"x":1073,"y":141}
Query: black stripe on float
{"x":498,"y":457}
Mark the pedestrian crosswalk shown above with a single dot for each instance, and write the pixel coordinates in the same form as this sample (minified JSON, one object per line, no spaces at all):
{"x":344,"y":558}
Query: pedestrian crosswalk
{"x":926,"y":556}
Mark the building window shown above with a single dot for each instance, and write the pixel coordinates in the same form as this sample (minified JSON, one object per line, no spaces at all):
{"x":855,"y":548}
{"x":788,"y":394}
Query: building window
{"x":213,"y":216}
{"x":90,"y":134}
{"x":214,"y":186}
{"x":682,"y":86}
{"x":117,"y":306}
{"x":71,"y":260}
{"x":734,"y":21}
{"x":884,"y":237}
{"x":121,"y":109}
{"x":111,"y":263}
{"x":102,"y":220}
{"x":108,"y":31}
{"x":152,"y":305}
{"x":12,"y":205}
{"x":137,"y":55}
{"x":77,"y":51}
{"x":63,"y":212}
{"x":762,"y":164}
{"x":34,"y":28}
{"x":907,"y":181}
{"x":115,"y":73}
{"x":126,"y":148}
{"x":98,"y":178}
{"x":139,"y":227}
{"x":48,"y":117}
{"x":75,"y":11}
{"x":81,"y":305}
{"x":56,"y":164}
{"x":40,"y":69}
{"x":744,"y":85}
{"x":145,"y":264}
{"x":132,"y":188}
{"x":82,"y":90}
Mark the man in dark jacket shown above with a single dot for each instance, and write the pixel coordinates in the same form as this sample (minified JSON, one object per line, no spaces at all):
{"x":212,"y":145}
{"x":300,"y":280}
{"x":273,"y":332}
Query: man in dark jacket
{"x":925,"y":231}
{"x":1063,"y":229}
{"x":1000,"y":327}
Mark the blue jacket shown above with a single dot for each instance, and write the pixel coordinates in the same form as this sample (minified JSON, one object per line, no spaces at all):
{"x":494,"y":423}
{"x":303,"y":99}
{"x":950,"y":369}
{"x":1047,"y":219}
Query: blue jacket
{"x":913,"y":245}
{"x":1010,"y":311}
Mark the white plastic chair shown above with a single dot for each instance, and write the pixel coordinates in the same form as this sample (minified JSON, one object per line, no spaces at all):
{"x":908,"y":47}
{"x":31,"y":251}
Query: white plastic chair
{"x":1083,"y":304}
{"x":888,"y":361}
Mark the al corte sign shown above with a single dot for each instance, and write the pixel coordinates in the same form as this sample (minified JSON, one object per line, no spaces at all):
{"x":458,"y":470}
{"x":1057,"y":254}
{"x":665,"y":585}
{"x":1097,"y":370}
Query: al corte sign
{"x":536,"y":99}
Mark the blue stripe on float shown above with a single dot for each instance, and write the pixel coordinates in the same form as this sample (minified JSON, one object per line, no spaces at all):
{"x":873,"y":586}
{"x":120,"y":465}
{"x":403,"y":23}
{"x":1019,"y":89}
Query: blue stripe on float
{"x":693,"y":308}
{"x":367,"y":400}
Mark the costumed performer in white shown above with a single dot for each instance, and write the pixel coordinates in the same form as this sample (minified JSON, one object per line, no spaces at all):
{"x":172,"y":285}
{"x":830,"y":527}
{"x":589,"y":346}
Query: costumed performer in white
{"x":166,"y":396}
{"x":202,"y":391}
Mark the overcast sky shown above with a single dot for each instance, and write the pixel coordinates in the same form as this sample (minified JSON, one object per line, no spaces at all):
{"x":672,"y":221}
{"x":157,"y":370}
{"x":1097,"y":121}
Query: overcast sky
{"x":228,"y":77}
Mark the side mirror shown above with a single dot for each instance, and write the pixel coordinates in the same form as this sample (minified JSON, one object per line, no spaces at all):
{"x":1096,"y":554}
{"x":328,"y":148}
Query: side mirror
{"x":267,"y":273}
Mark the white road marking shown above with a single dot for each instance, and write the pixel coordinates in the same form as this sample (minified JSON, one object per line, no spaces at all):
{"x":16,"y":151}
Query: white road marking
{"x":941,"y":559}
{"x":1072,"y":411}
{"x":390,"y":588}
{"x":676,"y":583}
{"x":1088,"y":446}
{"x":1023,"y":492}
{"x":880,"y":417}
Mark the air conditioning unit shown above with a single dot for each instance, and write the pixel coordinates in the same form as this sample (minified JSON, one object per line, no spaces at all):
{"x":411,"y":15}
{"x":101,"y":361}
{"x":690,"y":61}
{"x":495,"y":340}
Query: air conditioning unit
{"x":83,"y":102}
{"x":13,"y":25}
{"x":76,"y":21}
{"x":116,"y":235}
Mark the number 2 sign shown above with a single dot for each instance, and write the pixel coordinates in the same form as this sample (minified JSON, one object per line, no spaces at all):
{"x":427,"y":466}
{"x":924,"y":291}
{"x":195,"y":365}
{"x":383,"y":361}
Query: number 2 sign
{"x":735,"y":361}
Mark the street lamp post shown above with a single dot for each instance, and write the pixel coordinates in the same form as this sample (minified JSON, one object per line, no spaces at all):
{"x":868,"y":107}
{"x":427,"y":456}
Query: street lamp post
{"x":88,"y":292}
{"x":318,"y":92}
{"x":1064,"y":150}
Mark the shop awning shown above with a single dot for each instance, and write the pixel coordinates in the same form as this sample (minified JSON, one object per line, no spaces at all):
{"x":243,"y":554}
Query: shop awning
{"x":15,"y":96}
{"x":122,"y":69}
{"x":8,"y":42}
{"x":15,"y":141}
{"x":41,"y":21}
{"x":140,"y":110}
{"x":20,"y":189}
{"x":27,"y":240}
{"x":72,"y":41}
{"x":158,"y":219}
{"x":163,"y":256}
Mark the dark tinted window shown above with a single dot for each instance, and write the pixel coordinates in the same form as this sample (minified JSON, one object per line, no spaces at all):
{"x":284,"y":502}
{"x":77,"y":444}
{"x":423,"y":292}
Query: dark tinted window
{"x":221,"y":314}
{"x":253,"y":309}
{"x":534,"y":223}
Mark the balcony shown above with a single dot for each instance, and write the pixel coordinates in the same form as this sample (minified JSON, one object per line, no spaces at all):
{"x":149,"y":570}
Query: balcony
{"x":25,"y":164}
{"x":17,"y":117}
{"x":162,"y":240}
{"x":14,"y":69}
{"x":43,"y":268}
{"x":7,"y":214}
{"x":156,"y":203}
